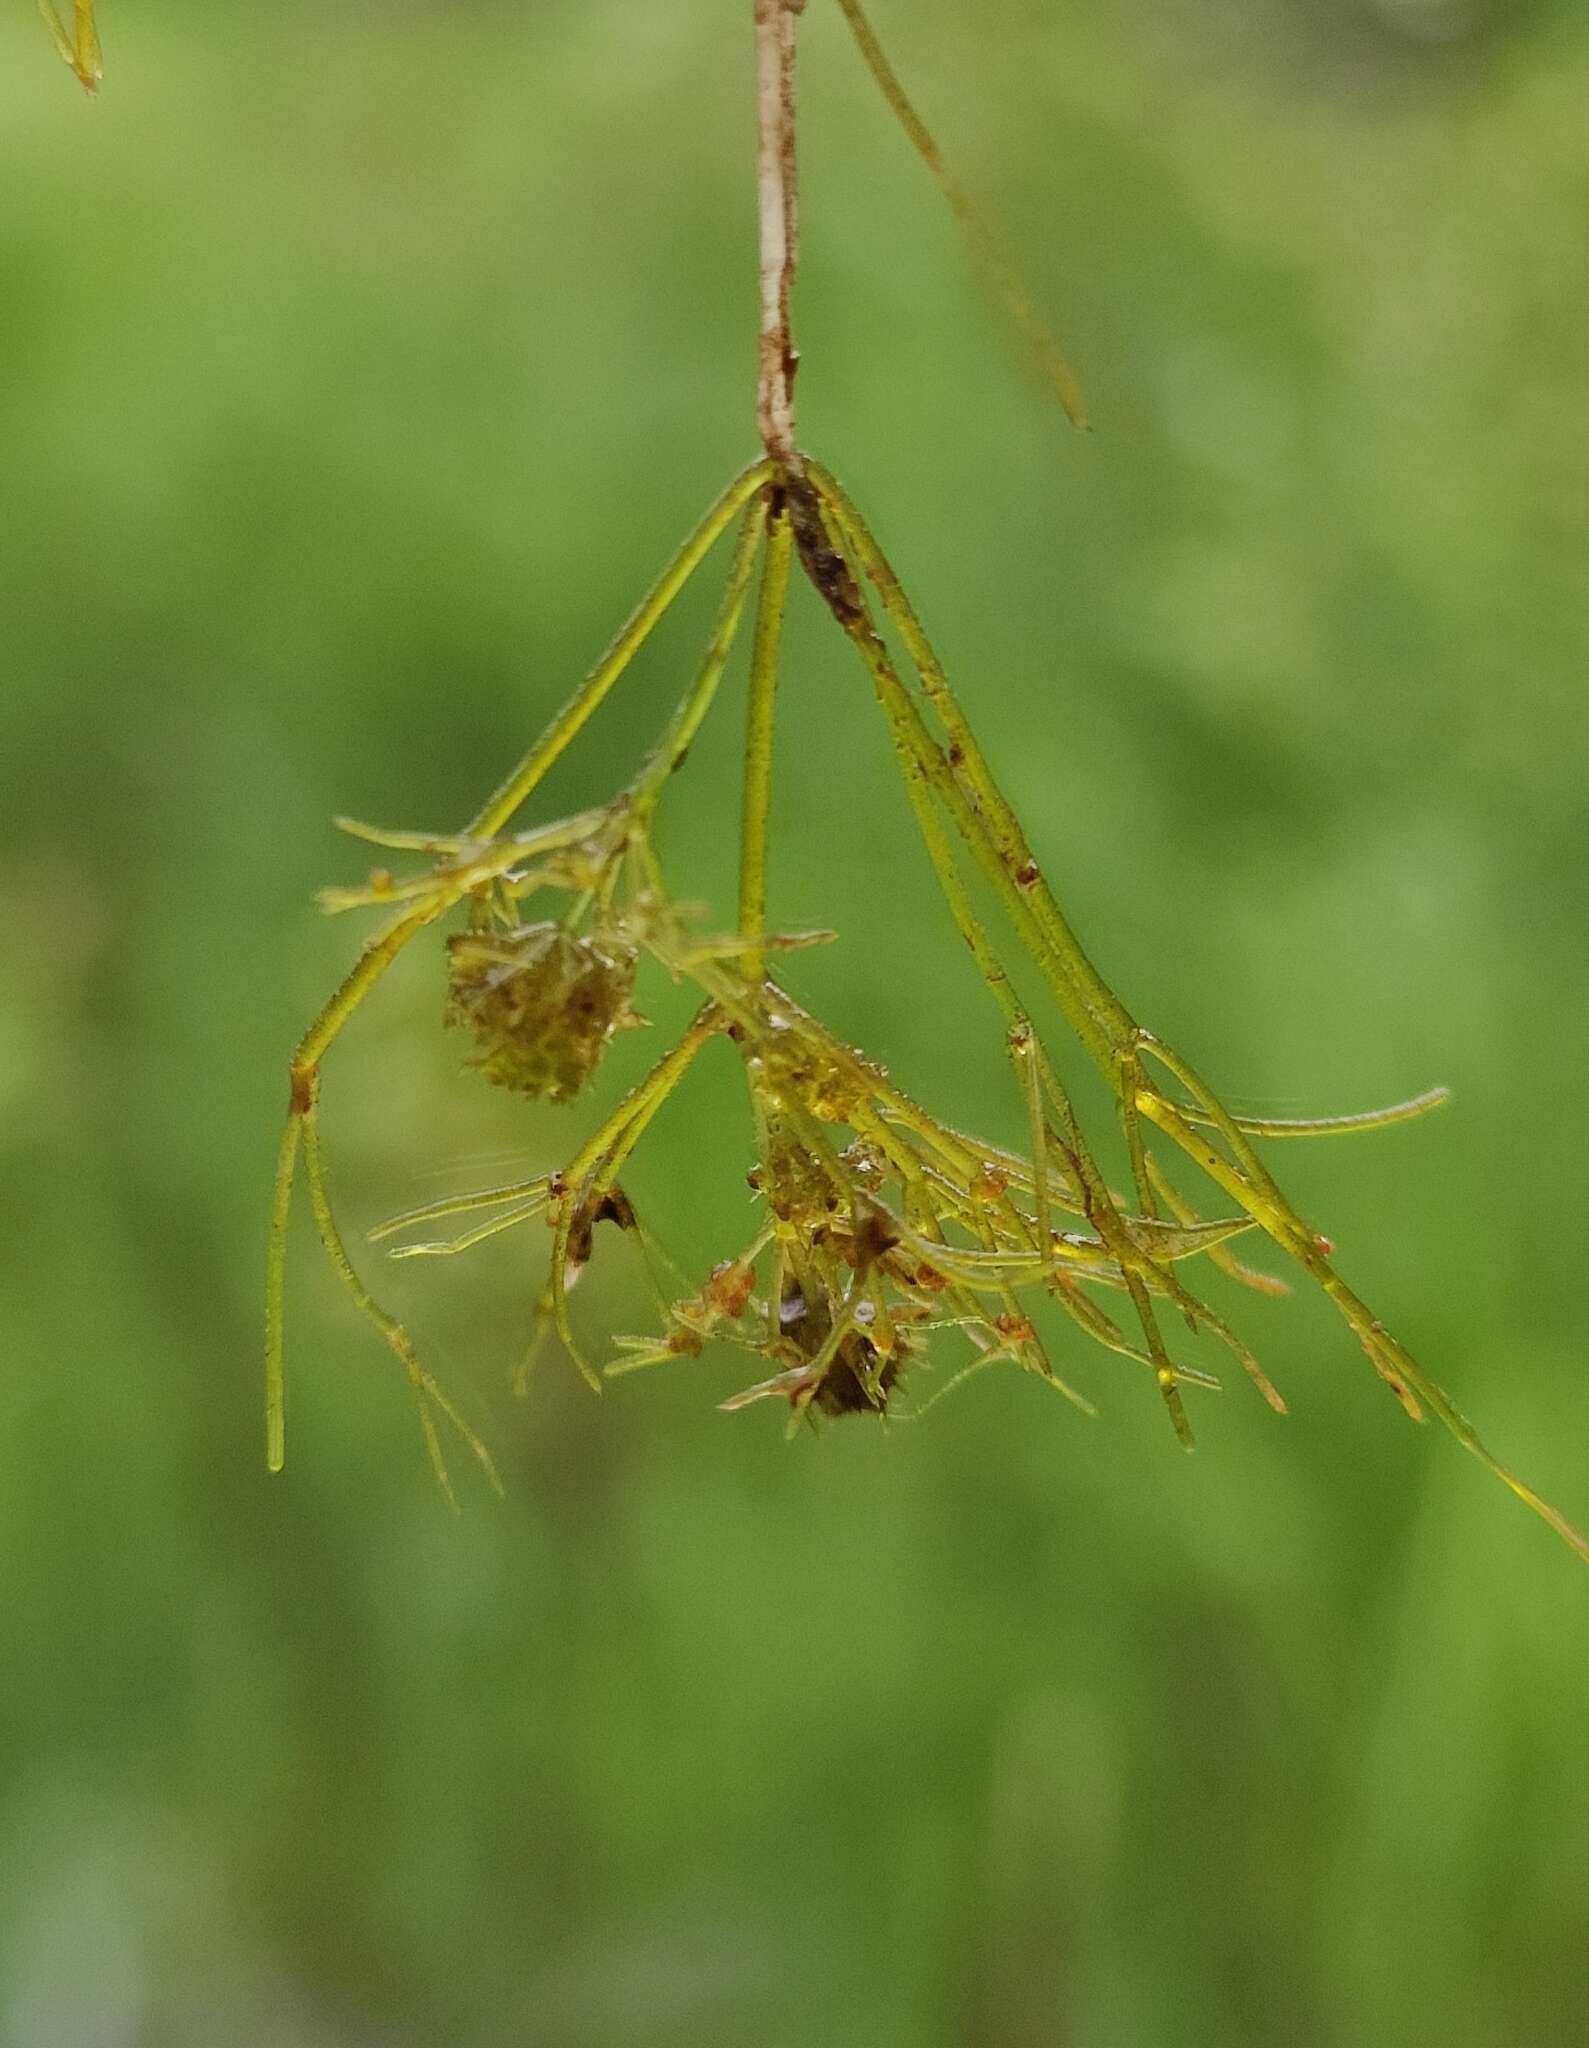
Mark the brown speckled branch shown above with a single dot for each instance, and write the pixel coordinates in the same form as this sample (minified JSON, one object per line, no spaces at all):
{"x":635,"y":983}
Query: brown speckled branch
{"x":779,"y":222}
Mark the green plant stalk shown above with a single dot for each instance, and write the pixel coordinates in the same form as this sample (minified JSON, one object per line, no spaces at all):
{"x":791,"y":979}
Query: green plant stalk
{"x":596,"y":1165}
{"x":982,"y":237}
{"x":926,"y":772}
{"x":427,"y":1394}
{"x":567,"y":723}
{"x":667,"y":757}
{"x":378,"y":955}
{"x":962,"y":778}
{"x":756,"y":798}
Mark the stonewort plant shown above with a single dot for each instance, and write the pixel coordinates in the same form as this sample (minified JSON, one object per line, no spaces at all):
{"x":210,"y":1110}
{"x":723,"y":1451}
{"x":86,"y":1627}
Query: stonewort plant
{"x":891,"y":1253}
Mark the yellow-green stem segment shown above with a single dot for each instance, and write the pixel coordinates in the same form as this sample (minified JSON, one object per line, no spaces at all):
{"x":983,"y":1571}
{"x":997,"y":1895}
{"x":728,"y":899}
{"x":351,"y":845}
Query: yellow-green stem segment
{"x":756,"y":798}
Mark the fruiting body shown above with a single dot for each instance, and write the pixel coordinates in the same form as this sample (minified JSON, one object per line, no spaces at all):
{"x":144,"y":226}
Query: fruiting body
{"x":542,"y":1002}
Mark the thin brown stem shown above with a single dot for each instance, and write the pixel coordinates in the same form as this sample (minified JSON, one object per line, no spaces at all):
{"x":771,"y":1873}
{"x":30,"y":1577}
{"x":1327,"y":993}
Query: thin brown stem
{"x":779,"y":225}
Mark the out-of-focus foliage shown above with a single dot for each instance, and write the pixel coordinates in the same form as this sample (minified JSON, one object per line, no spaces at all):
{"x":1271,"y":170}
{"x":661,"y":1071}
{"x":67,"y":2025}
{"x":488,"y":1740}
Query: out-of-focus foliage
{"x":357,"y":367}
{"x":77,"y":45}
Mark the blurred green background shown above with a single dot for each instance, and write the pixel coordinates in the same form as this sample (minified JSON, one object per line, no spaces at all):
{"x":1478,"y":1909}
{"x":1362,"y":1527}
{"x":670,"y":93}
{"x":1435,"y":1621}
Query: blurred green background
{"x":358,"y":366}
